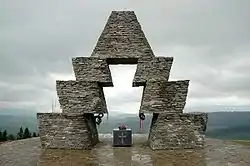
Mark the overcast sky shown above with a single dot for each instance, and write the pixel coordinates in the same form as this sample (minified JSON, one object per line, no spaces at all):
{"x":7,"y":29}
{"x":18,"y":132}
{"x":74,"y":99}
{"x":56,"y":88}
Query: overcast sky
{"x":209,"y":40}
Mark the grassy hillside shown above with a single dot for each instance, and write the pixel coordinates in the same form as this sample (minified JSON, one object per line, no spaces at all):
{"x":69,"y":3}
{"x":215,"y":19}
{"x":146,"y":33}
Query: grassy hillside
{"x":243,"y":142}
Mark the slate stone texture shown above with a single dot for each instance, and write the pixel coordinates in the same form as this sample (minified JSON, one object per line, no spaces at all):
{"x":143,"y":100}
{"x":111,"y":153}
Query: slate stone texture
{"x":92,"y":69}
{"x":152,"y":70}
{"x":164,"y":97}
{"x":122,"y":39}
{"x":64,"y":131}
{"x":177,"y":131}
{"x":79,"y":97}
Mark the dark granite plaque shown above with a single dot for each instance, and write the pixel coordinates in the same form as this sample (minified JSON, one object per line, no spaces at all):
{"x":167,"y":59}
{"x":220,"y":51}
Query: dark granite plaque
{"x":122,"y":137}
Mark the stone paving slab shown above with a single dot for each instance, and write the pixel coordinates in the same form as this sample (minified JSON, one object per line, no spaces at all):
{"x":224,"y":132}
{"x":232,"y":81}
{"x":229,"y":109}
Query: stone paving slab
{"x":20,"y":153}
{"x":216,"y":153}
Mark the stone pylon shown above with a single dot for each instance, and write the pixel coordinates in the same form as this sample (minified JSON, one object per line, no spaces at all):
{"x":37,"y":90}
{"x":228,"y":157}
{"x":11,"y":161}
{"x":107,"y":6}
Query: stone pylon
{"x":121,"y":42}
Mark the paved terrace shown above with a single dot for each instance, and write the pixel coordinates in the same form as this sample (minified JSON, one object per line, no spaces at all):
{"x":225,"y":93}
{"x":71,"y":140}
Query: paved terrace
{"x":217,"y":153}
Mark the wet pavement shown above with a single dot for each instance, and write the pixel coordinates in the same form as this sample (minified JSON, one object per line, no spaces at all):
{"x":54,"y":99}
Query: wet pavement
{"x":20,"y":153}
{"x":216,"y":153}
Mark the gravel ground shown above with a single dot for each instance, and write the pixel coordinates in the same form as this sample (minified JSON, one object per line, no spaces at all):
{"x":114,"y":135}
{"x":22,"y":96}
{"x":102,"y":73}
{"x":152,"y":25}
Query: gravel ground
{"x":216,"y":153}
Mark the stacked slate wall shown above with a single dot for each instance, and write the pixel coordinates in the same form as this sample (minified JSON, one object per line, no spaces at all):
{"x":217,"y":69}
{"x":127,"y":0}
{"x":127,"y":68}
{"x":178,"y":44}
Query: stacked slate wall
{"x":170,"y":127}
{"x":152,"y":70}
{"x":177,"y":131}
{"x":164,"y":97}
{"x":92,"y":69}
{"x":64,"y":131}
{"x":122,"y":37}
{"x":78,"y":97}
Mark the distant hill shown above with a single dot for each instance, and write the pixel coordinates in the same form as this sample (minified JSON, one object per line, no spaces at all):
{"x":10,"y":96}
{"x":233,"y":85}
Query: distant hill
{"x":12,"y":123}
{"x":229,"y":125}
{"x":132,"y":121}
{"x":13,"y":119}
{"x":221,"y":125}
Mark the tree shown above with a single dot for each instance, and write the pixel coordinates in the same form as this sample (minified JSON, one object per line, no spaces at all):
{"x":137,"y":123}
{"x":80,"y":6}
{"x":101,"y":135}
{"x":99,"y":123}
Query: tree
{"x":20,"y":133}
{"x":34,"y":134}
{"x":4,"y":135}
{"x":11,"y":137}
{"x":1,"y":136}
{"x":26,"y":133}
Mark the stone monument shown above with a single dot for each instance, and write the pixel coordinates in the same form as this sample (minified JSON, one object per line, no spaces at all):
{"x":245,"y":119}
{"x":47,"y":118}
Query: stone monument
{"x":82,"y":101}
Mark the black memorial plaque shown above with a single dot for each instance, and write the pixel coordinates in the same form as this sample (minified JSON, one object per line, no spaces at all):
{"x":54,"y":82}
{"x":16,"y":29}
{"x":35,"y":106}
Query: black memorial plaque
{"x":122,"y":138}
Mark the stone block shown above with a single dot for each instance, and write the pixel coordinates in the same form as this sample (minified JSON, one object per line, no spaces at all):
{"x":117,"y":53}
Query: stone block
{"x":164,"y":97}
{"x":122,"y":38}
{"x":177,"y":131}
{"x":64,"y":131}
{"x":78,"y":97}
{"x":152,"y":69}
{"x":92,"y":69}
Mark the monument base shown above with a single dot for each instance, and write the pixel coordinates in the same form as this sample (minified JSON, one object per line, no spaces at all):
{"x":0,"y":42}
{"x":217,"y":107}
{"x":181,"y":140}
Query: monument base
{"x":122,"y":138}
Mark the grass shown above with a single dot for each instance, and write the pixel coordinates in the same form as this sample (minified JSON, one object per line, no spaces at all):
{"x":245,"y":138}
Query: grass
{"x":243,"y":142}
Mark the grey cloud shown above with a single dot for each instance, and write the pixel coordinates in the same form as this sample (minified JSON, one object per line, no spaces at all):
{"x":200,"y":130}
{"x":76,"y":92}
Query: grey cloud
{"x":209,"y":40}
{"x":128,"y":96}
{"x":218,"y":23}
